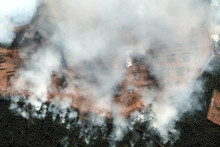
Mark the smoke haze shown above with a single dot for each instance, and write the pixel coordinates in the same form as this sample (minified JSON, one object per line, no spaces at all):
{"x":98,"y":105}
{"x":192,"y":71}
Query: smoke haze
{"x":15,"y":14}
{"x":92,"y":40}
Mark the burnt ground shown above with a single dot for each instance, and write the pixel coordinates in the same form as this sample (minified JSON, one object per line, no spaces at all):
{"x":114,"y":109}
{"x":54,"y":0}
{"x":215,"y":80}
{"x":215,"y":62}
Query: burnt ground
{"x":195,"y":129}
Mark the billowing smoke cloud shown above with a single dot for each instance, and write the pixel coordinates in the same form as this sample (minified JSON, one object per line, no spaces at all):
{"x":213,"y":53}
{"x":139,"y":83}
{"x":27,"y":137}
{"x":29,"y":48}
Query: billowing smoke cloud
{"x":14,"y":14}
{"x":89,"y":42}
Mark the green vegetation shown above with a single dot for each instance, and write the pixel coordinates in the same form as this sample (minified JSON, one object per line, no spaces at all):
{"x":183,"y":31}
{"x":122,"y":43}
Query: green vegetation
{"x":218,"y":108}
{"x":195,"y":129}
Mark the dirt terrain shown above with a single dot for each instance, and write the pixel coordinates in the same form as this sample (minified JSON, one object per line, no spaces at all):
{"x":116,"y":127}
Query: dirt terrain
{"x":214,"y":108}
{"x":173,"y":67}
{"x":10,"y":62}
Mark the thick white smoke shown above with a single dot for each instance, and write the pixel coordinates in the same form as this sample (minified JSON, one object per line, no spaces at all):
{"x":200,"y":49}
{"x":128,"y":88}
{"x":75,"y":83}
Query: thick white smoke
{"x":91,"y":40}
{"x":14,"y":14}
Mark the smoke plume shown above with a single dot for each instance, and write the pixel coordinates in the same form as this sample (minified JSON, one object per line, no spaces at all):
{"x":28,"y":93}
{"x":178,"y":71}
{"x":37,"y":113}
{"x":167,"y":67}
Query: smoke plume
{"x":14,"y":14}
{"x":89,"y":42}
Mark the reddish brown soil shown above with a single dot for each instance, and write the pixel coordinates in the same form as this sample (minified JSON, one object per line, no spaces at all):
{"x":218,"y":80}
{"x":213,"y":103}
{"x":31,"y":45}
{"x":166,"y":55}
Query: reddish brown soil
{"x":10,"y":62}
{"x":214,"y":108}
